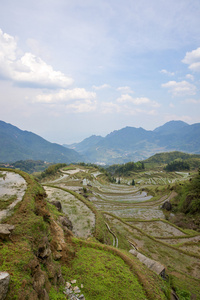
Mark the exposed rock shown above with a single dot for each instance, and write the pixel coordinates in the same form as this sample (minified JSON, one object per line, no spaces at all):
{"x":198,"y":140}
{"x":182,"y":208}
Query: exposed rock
{"x":57,"y":255}
{"x":150,"y":263}
{"x":45,"y":295}
{"x":5,"y":231}
{"x":73,"y":281}
{"x":68,"y":285}
{"x":72,"y":292}
{"x":76,"y":290}
{"x":4,"y":283}
{"x":66,"y":222}
{"x":167,"y":205}
{"x":44,"y":249}
{"x":57,"y":205}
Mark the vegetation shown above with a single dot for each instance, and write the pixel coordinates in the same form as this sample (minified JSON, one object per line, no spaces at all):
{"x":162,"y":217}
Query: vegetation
{"x":159,"y":159}
{"x":107,"y":272}
{"x":177,"y":165}
{"x":30,"y":166}
{"x":188,"y":199}
{"x":123,"y":170}
{"x":30,"y":227}
{"x":6,"y":201}
{"x":51,"y":171}
{"x":104,"y":276}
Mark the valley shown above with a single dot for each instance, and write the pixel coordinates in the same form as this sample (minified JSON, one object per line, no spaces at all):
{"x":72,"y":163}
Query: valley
{"x":107,"y":221}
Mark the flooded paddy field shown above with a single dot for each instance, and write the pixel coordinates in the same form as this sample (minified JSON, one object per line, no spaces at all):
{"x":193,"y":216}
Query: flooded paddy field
{"x":12,"y":188}
{"x":132,"y":214}
{"x":79,"y":214}
{"x":134,"y":217}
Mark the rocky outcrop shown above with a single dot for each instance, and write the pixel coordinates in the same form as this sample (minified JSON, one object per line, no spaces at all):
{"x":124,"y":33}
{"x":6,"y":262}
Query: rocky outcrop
{"x":167,"y":206}
{"x":72,"y":291}
{"x":44,"y":249}
{"x":4,"y":283}
{"x":57,"y":204}
{"x":5,"y":231}
{"x":150,"y":263}
{"x":65,"y":222}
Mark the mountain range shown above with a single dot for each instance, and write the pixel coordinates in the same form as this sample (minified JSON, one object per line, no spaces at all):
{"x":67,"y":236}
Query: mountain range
{"x":16,"y":144}
{"x":120,"y":146}
{"x":134,"y":144}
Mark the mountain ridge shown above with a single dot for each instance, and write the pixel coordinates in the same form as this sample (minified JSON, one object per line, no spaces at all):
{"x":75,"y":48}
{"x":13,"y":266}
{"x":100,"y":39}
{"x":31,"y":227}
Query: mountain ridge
{"x":131,"y":143}
{"x":120,"y":146}
{"x":17,"y":144}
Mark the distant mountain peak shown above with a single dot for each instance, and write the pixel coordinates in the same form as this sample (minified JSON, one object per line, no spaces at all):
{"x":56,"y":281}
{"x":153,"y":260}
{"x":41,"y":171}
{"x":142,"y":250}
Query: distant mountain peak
{"x":171,"y":127}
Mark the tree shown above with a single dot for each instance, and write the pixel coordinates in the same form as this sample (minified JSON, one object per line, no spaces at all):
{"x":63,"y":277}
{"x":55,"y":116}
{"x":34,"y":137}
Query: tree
{"x":133,"y":182}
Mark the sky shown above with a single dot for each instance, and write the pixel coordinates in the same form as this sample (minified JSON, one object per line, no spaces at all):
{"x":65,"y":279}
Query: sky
{"x":71,"y":69}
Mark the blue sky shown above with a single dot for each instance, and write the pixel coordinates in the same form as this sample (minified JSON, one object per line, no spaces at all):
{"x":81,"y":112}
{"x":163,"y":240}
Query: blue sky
{"x":70,"y":69}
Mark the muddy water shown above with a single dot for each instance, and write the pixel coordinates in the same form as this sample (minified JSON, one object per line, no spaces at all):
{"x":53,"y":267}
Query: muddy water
{"x":11,"y":184}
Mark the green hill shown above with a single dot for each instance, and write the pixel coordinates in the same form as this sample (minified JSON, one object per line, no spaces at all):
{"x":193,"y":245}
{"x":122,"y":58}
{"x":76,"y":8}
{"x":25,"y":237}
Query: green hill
{"x":136,"y":144}
{"x":16,"y":144}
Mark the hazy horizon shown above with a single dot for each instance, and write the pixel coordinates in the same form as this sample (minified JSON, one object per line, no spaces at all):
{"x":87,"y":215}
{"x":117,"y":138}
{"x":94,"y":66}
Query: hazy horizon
{"x":69,"y":70}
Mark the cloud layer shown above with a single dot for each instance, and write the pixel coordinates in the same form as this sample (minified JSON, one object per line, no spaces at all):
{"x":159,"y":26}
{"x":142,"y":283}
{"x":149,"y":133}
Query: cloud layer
{"x":27,"y":69}
{"x":193,"y":60}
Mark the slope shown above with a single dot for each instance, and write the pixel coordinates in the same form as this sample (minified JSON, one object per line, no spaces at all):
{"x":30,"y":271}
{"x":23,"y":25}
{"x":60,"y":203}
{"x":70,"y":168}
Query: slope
{"x":129,"y":143}
{"x":16,"y":144}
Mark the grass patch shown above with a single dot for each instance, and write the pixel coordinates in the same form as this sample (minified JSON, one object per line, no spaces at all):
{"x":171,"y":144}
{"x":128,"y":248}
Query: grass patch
{"x":6,"y":201}
{"x":104,"y":276}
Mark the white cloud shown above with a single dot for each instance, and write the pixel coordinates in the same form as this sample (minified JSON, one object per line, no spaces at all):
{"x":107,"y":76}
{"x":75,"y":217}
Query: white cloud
{"x":110,"y":107}
{"x":64,"y":96}
{"x":193,"y":60}
{"x":125,"y":89}
{"x":101,"y":87}
{"x":81,"y":107}
{"x":182,"y":88}
{"x":136,"y":101}
{"x":167,"y":72}
{"x":193,"y":101}
{"x":125,"y":98}
{"x":190,"y":76}
{"x":28,"y":70}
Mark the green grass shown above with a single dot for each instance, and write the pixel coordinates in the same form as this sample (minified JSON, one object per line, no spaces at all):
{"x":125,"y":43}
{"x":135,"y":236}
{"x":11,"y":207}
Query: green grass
{"x":30,"y":227}
{"x":6,"y":201}
{"x":104,"y":276}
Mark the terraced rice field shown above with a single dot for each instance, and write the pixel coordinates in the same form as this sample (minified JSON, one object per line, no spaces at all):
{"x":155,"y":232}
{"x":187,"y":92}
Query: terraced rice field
{"x":133,"y":219}
{"x":12,"y":188}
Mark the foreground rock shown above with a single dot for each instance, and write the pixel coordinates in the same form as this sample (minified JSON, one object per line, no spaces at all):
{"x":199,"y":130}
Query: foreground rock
{"x":150,"y":263}
{"x":66,"y":223}
{"x":73,"y":292}
{"x":167,"y":205}
{"x":5,"y":231}
{"x":57,"y":204}
{"x":4,"y":283}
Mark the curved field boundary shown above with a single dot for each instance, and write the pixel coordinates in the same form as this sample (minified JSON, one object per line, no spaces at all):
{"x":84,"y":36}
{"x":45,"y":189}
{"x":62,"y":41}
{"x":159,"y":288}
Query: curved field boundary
{"x":115,"y":239}
{"x":129,"y":204}
{"x":164,"y":221}
{"x":148,"y":282}
{"x":153,"y":238}
{"x":100,"y":227}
